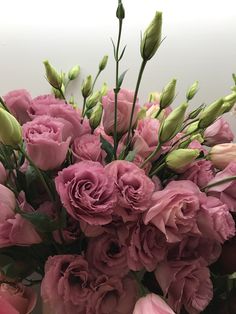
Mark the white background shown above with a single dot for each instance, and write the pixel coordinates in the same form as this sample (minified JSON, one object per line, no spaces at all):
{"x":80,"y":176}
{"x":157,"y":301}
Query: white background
{"x":200,"y":43}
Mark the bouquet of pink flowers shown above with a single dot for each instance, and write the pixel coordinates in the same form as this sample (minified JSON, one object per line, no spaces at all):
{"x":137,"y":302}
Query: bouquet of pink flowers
{"x":116,"y":207}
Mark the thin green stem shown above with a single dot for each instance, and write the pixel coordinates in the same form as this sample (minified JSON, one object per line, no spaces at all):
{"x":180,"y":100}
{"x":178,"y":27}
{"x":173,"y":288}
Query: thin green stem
{"x":62,"y":95}
{"x":95,"y":80}
{"x":151,"y":155}
{"x":83,"y":110}
{"x":225,"y":180}
{"x":157,"y":169}
{"x":158,"y":113}
{"x":183,"y":137}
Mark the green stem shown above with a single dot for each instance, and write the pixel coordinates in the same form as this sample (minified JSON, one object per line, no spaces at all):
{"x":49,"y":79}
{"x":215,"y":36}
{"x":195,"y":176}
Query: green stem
{"x":183,"y":137}
{"x":157,"y":115}
{"x":151,"y":155}
{"x":62,"y":95}
{"x":157,"y":169}
{"x":225,"y":180}
{"x":83,"y":110}
{"x":142,"y":67}
{"x":95,"y":80}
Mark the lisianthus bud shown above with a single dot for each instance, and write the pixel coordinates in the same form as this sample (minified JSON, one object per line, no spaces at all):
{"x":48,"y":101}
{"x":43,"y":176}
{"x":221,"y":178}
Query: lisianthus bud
{"x":226,"y":107}
{"x":103,"y":63}
{"x":104,"y":89}
{"x":196,"y":112}
{"x":154,"y":97}
{"x":234,"y":78}
{"x":120,"y":12}
{"x":53,"y":77}
{"x":173,"y":123}
{"x":74,"y":72}
{"x":57,"y":93}
{"x":10,"y":129}
{"x":151,"y":38}
{"x":180,"y":158}
{"x":87,"y":86}
{"x":229,"y":102}
{"x":192,"y":127}
{"x":197,"y":137}
{"x":210,"y":113}
{"x":222,"y":154}
{"x":168,"y":94}
{"x":93,"y":99}
{"x":96,"y":116}
{"x":192,"y":91}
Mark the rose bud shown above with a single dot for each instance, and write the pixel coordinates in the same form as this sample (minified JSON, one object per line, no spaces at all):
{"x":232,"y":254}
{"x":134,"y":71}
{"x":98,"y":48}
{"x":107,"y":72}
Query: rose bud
{"x":53,"y":77}
{"x":104,"y":89}
{"x":210,"y":114}
{"x":221,"y":155}
{"x":86,"y":88}
{"x":10,"y":129}
{"x":96,"y":116}
{"x":192,"y":91}
{"x":152,"y":304}
{"x":93,"y":99}
{"x":74,"y":72}
{"x":103,"y":63}
{"x":180,"y":158}
{"x":168,"y":94}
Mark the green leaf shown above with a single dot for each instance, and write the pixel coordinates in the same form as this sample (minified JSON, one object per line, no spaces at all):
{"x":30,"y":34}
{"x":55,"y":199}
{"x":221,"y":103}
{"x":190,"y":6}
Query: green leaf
{"x":108,"y":148}
{"x":131,"y":155}
{"x":121,"y":78}
{"x":122,"y":53}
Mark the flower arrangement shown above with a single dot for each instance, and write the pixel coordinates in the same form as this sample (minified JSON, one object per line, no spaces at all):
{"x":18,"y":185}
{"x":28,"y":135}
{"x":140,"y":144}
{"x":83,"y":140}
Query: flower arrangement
{"x":114,"y":207}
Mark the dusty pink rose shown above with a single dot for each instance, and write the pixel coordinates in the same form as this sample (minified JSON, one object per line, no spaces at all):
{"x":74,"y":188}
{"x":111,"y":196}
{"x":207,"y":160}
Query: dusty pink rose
{"x":87,"y":191}
{"x":113,"y":295}
{"x":225,"y":191}
{"x":138,"y":161}
{"x":215,"y":220}
{"x":174,"y":210}
{"x":46,"y":142}
{"x":133,"y":186}
{"x":16,"y":299}
{"x":87,"y":147}
{"x":187,"y":284}
{"x":106,"y":255}
{"x":66,"y":285}
{"x":201,"y":172}
{"x":18,"y":102}
{"x":223,"y":154}
{"x":124,"y":107}
{"x":218,"y":133}
{"x":152,"y":304}
{"x":3,"y":174}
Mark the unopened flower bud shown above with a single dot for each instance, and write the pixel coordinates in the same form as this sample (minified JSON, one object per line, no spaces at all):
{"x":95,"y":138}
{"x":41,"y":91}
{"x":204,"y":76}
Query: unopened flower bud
{"x":192,"y":91}
{"x":103,"y":63}
{"x":93,"y":99}
{"x":53,"y":77}
{"x":154,"y":97}
{"x":210,"y":114}
{"x":96,"y":116}
{"x":196,"y":112}
{"x":180,"y":158}
{"x":168,"y":94}
{"x":173,"y":123}
{"x":10,"y":129}
{"x":151,"y":38}
{"x":234,"y":78}
{"x":87,"y":86}
{"x":120,"y":12}
{"x":104,"y":89}
{"x":74,"y":72}
{"x":192,"y":127}
{"x":222,"y":154}
{"x":57,"y":93}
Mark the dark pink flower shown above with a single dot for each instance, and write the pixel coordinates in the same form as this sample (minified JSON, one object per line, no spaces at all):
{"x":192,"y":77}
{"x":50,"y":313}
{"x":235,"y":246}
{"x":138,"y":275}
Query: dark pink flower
{"x":218,"y":133}
{"x":152,"y":304}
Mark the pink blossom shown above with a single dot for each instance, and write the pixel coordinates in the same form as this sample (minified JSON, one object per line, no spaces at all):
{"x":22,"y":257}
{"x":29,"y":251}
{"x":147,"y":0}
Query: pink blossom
{"x":152,"y":304}
{"x":222,"y":155}
{"x":218,"y":133}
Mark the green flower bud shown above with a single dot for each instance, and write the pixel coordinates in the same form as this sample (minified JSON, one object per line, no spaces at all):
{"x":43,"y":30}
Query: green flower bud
{"x":120,"y":12}
{"x":180,"y":158}
{"x":227,"y":106}
{"x":234,"y":78}
{"x":96,"y":116}
{"x":86,"y":88}
{"x":57,"y":93}
{"x":192,"y":91}
{"x":173,"y":123}
{"x":192,"y":127}
{"x":151,"y":38}
{"x":10,"y":129}
{"x":197,"y":137}
{"x":233,"y":88}
{"x":103,"y":63}
{"x":196,"y":112}
{"x":104,"y":89}
{"x":168,"y":94}
{"x":230,"y":98}
{"x":74,"y":72}
{"x":93,"y":99}
{"x":210,"y":114}
{"x":154,"y":97}
{"x":53,"y":77}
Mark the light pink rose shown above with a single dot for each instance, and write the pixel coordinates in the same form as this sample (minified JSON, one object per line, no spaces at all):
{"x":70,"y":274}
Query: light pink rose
{"x":3,"y":174}
{"x":87,"y":147}
{"x":113,"y":295}
{"x":187,"y":284}
{"x":215,"y":220}
{"x":18,"y":102}
{"x":218,"y":133}
{"x":46,"y":142}
{"x":225,"y":191}
{"x":87,"y":192}
{"x":222,"y":155}
{"x":174,"y":210}
{"x":57,"y":108}
{"x":124,"y":107}
{"x":106,"y":255}
{"x":201,"y":172}
{"x":152,"y":304}
{"x":66,"y":285}
{"x":133,"y":186}
{"x":16,"y":299}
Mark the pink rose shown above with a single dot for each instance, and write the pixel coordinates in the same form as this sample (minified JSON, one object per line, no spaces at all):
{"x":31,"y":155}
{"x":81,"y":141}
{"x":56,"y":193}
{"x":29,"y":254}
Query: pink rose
{"x":215,"y":220}
{"x":3,"y":174}
{"x":87,"y":191}
{"x":113,"y":295}
{"x":106,"y":255}
{"x":218,"y":133}
{"x":19,"y":102}
{"x":87,"y":147}
{"x":174,"y":210}
{"x":16,"y":299}
{"x":138,"y":161}
{"x":223,"y":154}
{"x":66,"y":285}
{"x":187,"y":283}
{"x":152,"y":304}
{"x":46,"y":142}
{"x":225,"y":191}
{"x":201,"y":172}
{"x":134,"y":188}
{"x":124,"y":107}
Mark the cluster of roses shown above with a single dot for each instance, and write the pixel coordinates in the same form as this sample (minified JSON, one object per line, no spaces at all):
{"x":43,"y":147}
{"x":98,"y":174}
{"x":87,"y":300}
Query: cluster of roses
{"x":126,"y":222}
